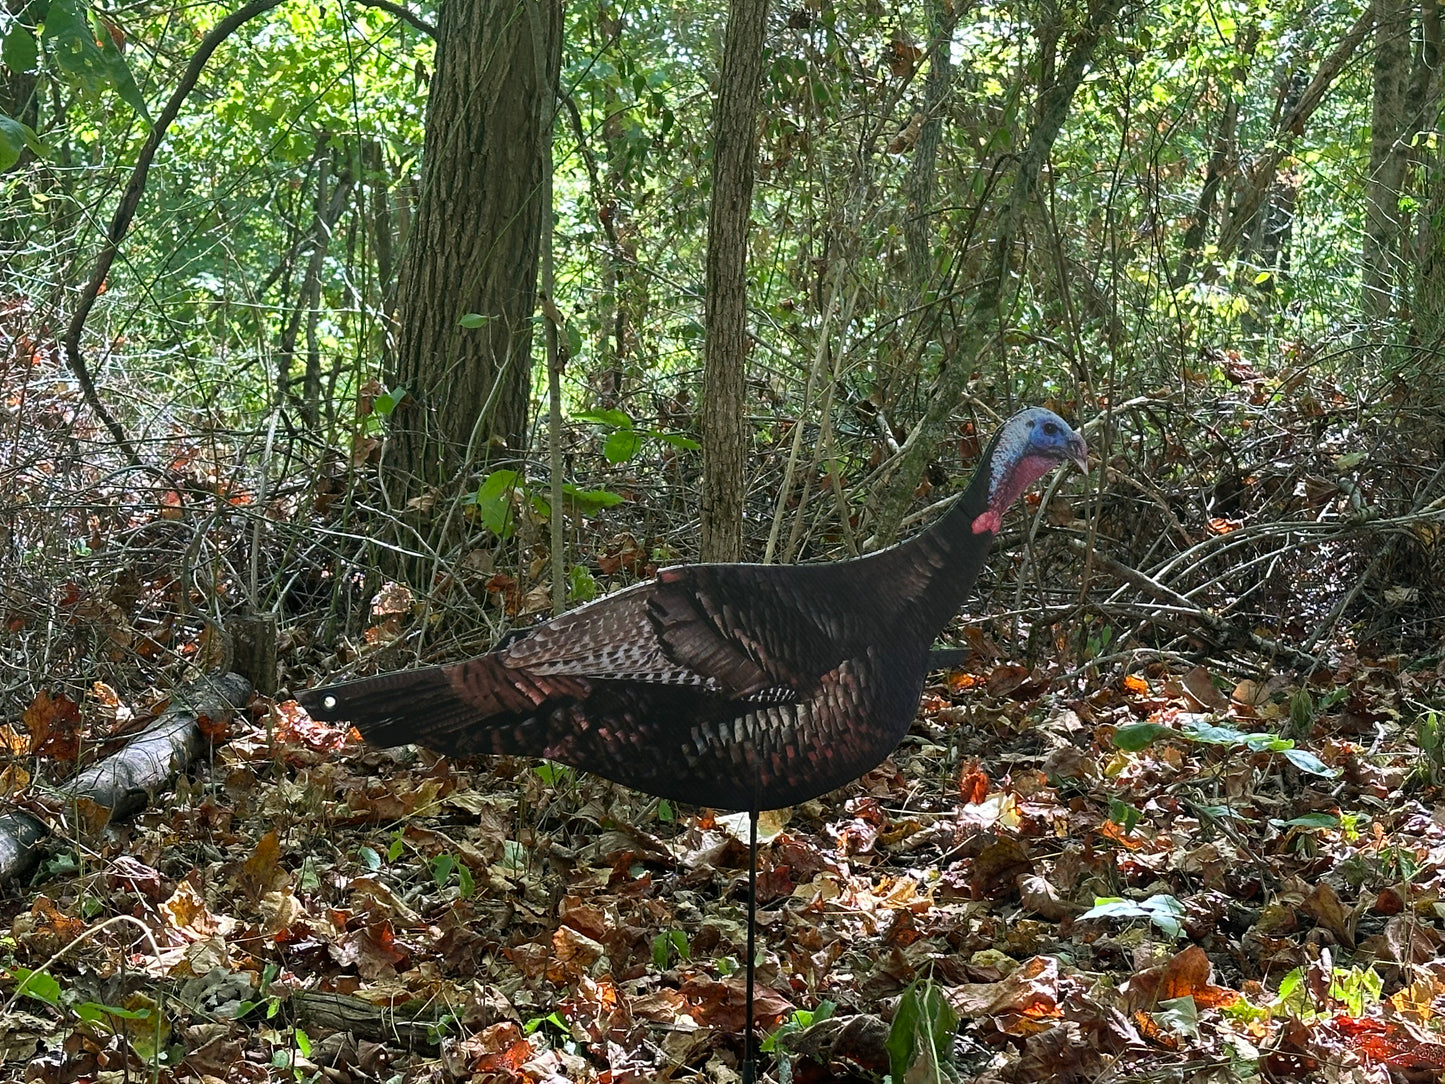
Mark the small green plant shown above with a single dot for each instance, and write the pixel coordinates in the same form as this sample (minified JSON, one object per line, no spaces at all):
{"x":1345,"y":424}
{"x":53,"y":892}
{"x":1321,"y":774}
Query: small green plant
{"x":143,"y":1028}
{"x":444,"y":866}
{"x":1430,"y":740}
{"x":1124,"y":815}
{"x":667,"y":944}
{"x":1140,"y":736}
{"x":1099,"y":642}
{"x":552,"y":1018}
{"x":1163,"y":911}
{"x":1355,"y":989}
{"x":624,"y":440}
{"x":801,"y":1018}
{"x":492,"y":503}
{"x":920,"y":1042}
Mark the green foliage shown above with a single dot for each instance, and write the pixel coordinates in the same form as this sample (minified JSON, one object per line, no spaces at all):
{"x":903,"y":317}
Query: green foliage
{"x":14,"y":138}
{"x":581,"y":584}
{"x":1162,"y":910}
{"x":667,"y":945}
{"x":800,"y":1019}
{"x":1430,"y":740}
{"x":87,"y":54}
{"x":1139,"y":736}
{"x":920,"y":1040}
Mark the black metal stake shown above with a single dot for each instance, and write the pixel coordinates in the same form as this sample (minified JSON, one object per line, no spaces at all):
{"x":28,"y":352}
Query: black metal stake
{"x":749,"y":1063}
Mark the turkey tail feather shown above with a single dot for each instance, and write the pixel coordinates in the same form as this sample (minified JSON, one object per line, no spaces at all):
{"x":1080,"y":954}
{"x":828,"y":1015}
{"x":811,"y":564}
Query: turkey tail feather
{"x":419,"y":706}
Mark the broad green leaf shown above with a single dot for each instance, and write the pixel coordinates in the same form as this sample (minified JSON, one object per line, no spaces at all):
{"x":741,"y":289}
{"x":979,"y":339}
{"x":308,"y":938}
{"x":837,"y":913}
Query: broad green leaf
{"x":493,"y":501}
{"x":621,"y":445}
{"x":677,"y":440}
{"x":1306,"y":761}
{"x":603,"y":416}
{"x":1137,"y":736}
{"x":1113,"y":907}
{"x":14,"y":138}
{"x":590,"y":500}
{"x":89,"y":59}
{"x":1312,"y":820}
{"x":20,"y":51}
{"x":387,"y":401}
{"x":581,"y":584}
{"x":1124,"y":815}
{"x":38,"y":985}
{"x":1180,"y":1015}
{"x":1215,"y":735}
{"x":441,"y":869}
{"x":473,"y":320}
{"x":552,"y":773}
{"x":922,"y":1030}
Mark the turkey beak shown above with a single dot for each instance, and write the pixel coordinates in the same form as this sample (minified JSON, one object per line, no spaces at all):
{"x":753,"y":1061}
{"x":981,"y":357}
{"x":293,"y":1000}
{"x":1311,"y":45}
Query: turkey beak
{"x":1078,"y":453}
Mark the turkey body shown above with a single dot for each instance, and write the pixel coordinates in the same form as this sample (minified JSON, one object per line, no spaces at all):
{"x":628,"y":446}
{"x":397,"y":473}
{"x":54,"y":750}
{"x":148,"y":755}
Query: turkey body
{"x":735,"y":686}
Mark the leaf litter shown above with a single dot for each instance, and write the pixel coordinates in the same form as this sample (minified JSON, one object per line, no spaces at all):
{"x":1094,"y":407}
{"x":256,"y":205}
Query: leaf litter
{"x":1236,"y":878}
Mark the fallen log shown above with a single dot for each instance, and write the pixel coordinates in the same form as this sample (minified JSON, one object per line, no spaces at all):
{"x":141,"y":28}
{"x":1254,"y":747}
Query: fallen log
{"x":125,"y":782}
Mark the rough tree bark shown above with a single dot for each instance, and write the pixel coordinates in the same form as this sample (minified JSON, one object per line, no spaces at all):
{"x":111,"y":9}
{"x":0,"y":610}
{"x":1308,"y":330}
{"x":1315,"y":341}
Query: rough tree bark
{"x":942,"y":18}
{"x":725,"y":353}
{"x":1381,"y":249}
{"x":472,"y":254}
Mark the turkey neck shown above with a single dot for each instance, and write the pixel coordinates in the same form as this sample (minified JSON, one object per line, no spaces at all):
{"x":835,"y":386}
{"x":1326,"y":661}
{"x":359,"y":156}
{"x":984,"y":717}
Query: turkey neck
{"x":932,"y":573}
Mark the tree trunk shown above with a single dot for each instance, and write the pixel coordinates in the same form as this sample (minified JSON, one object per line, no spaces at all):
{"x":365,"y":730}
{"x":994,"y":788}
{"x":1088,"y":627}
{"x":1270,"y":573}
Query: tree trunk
{"x":468,"y":279}
{"x":725,"y":354}
{"x":942,"y":18}
{"x":1382,"y":242}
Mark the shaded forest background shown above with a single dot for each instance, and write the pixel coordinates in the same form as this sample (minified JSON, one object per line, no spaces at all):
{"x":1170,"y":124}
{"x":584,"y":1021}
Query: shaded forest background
{"x":267,"y":366}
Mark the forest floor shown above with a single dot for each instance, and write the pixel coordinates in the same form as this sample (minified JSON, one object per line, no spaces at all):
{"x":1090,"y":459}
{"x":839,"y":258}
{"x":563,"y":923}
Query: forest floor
{"x":1174,"y":874}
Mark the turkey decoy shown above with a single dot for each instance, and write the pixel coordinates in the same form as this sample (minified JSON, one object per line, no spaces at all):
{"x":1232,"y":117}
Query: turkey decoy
{"x":742,"y":686}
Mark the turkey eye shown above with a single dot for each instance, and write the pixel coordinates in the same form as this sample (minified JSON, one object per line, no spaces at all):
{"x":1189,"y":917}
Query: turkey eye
{"x":1051,"y":429}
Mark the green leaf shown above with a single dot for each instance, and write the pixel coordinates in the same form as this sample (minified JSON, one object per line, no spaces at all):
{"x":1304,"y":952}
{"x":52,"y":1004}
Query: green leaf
{"x":514,"y":855}
{"x":1312,"y":820}
{"x":38,"y":985}
{"x":677,"y":440}
{"x":1306,"y":761}
{"x":1113,"y":907}
{"x":1215,"y":735}
{"x":441,"y":869}
{"x":1179,"y":1015}
{"x":473,"y":320}
{"x":552,"y":774}
{"x":922,"y":1033}
{"x":493,"y":501}
{"x":574,"y":340}
{"x":581,"y":584}
{"x":1137,"y":736}
{"x":368,"y":858}
{"x":303,"y":1043}
{"x":591,"y":500}
{"x":388,"y":401}
{"x":466,"y":884}
{"x":621,"y":445}
{"x":602,"y":416}
{"x":89,"y":59}
{"x":14,"y":138}
{"x":1124,"y":815}
{"x":20,"y":51}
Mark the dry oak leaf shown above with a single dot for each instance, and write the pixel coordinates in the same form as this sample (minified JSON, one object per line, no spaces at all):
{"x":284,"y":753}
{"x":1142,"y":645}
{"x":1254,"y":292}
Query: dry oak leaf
{"x":1024,"y":1002}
